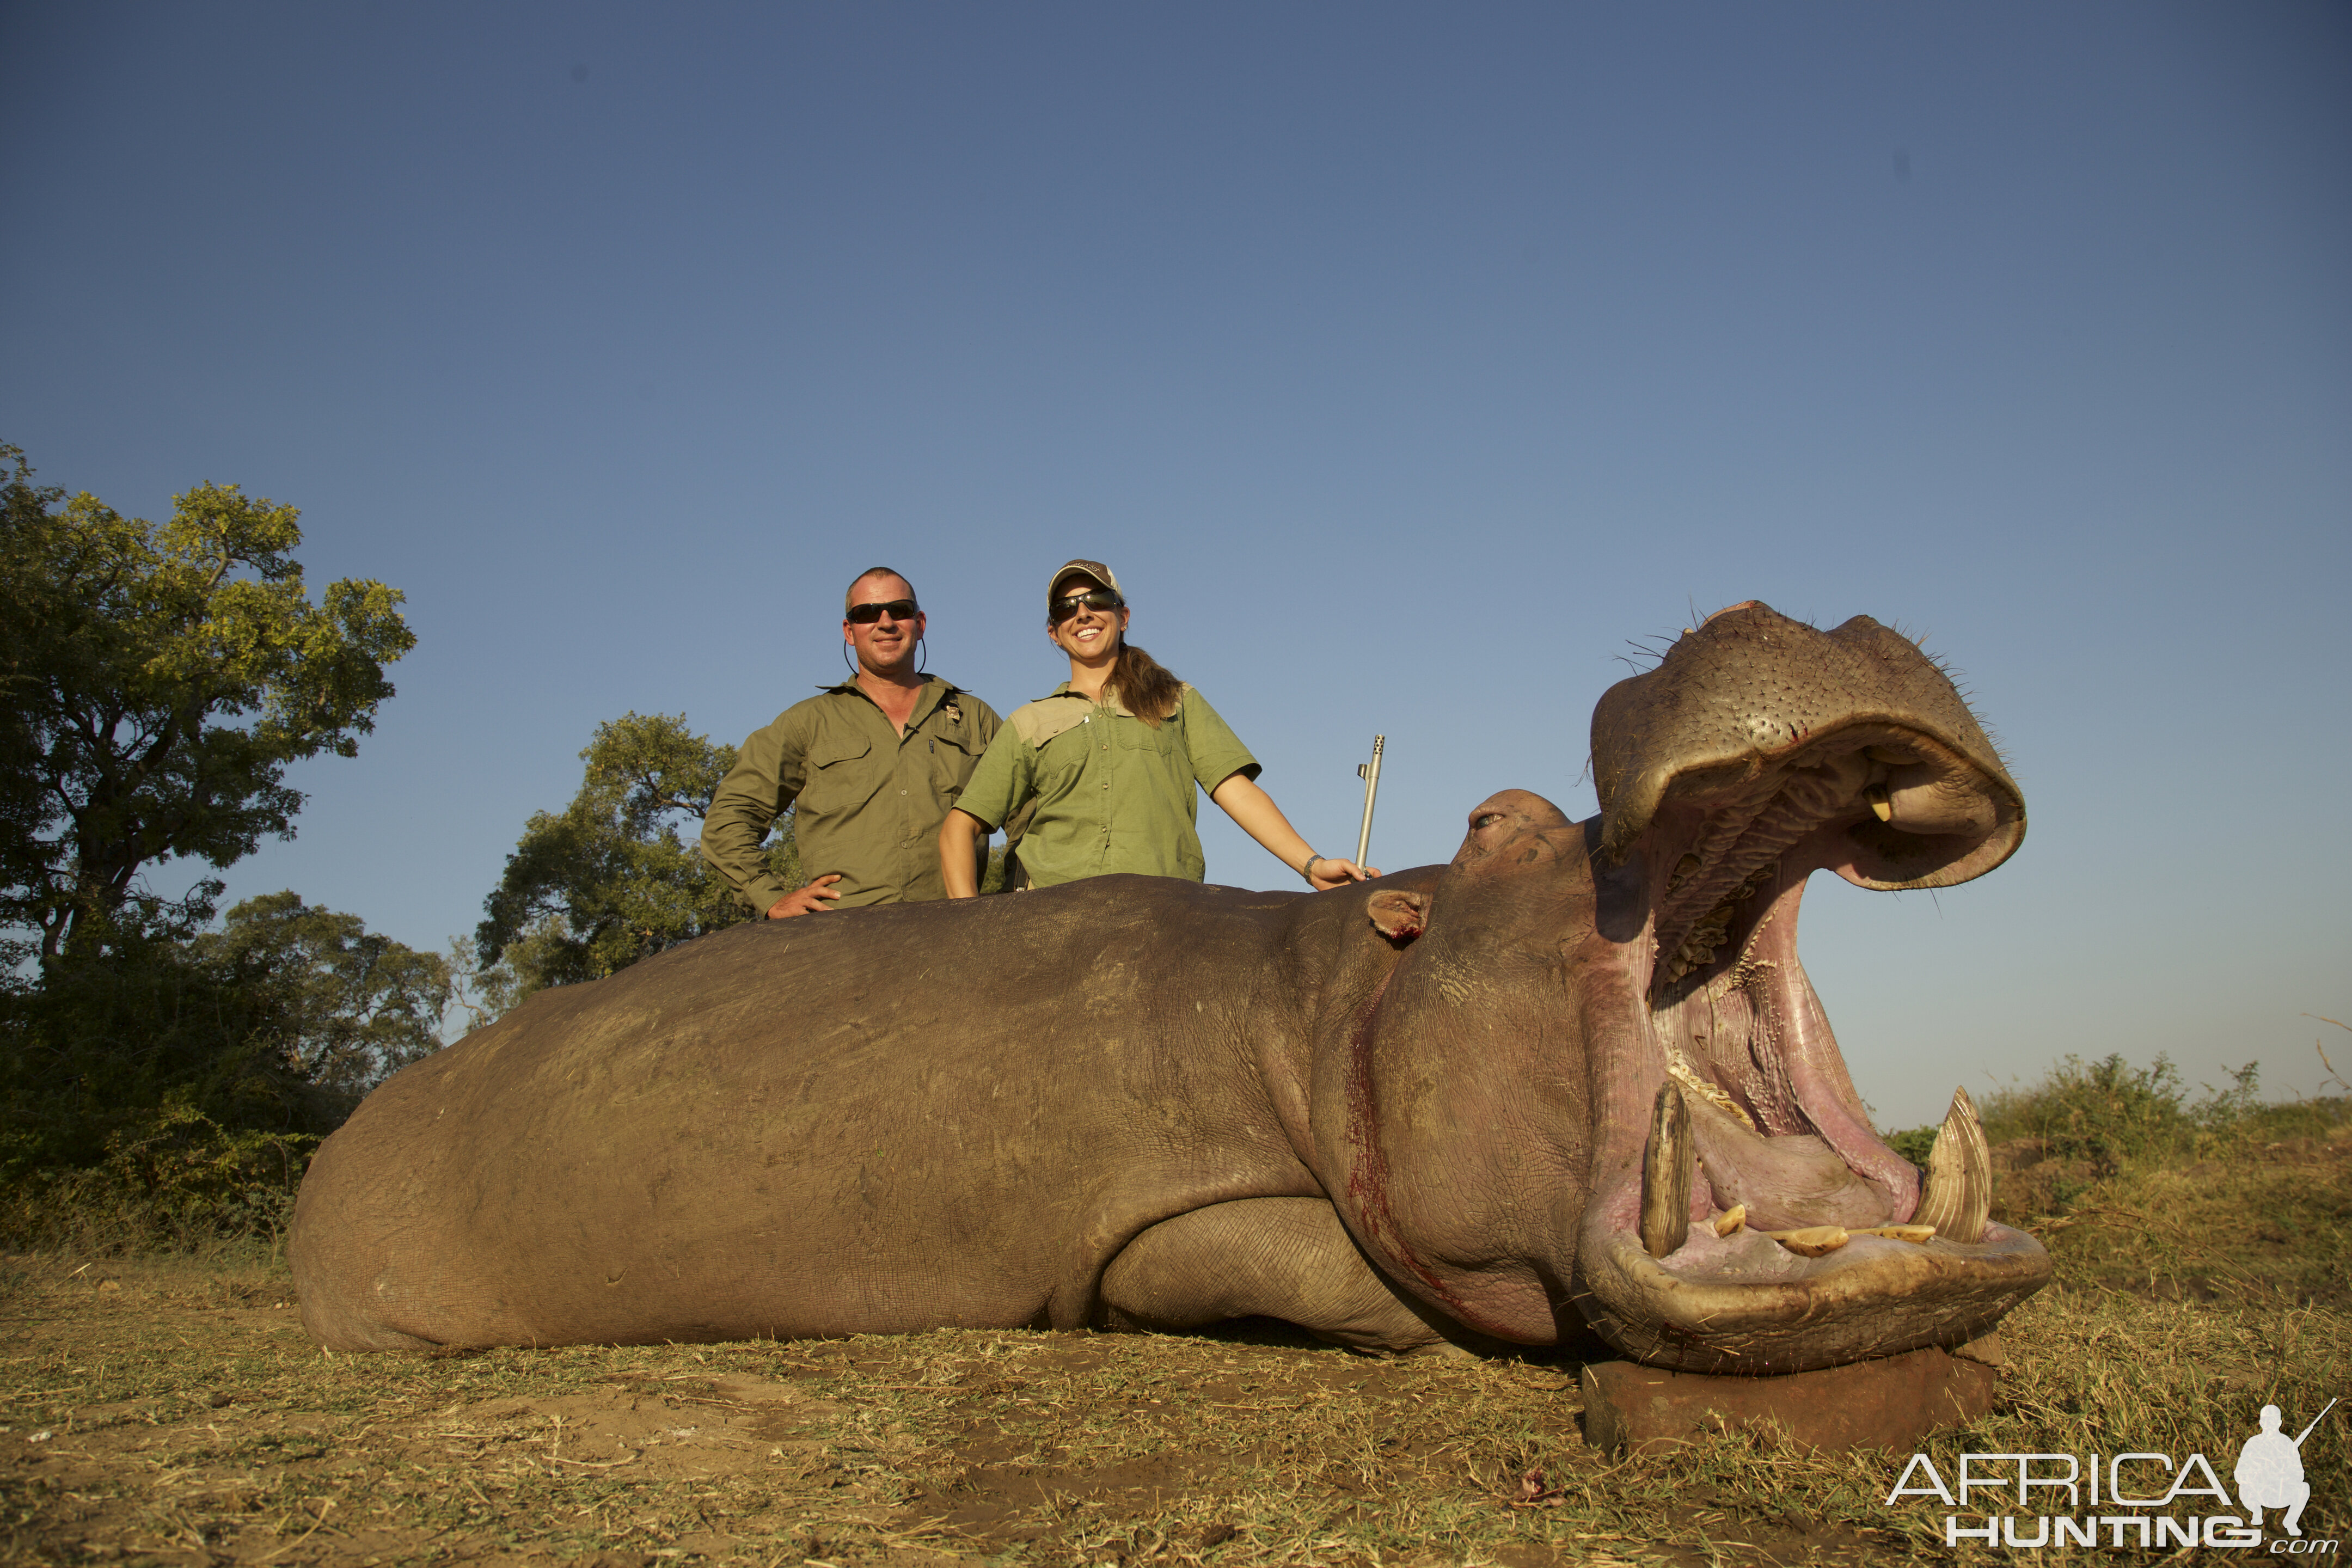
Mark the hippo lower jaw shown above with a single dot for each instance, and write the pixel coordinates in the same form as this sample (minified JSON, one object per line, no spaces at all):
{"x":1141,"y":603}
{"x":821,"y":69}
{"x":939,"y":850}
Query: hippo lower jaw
{"x":1726,"y":1113}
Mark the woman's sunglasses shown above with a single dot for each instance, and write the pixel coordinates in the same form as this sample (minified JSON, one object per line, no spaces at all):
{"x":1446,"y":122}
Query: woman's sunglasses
{"x":896,"y":609}
{"x":1095,"y":599}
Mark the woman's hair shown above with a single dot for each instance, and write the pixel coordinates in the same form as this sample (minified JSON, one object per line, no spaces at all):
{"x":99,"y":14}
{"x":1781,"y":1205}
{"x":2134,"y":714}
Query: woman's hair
{"x":1149,"y":687}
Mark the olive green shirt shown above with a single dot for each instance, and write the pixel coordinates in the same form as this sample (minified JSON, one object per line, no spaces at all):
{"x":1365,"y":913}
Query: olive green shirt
{"x":868,"y":801}
{"x":1112,"y":793}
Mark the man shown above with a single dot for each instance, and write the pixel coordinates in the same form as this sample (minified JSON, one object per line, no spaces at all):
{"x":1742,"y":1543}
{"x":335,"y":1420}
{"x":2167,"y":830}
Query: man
{"x":872,"y":764}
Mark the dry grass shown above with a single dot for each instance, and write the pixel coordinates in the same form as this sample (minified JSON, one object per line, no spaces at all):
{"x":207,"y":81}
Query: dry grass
{"x":189,"y":1420}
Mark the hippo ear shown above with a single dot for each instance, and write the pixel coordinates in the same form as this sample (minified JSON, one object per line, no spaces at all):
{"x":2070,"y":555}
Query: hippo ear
{"x":1397,"y":915}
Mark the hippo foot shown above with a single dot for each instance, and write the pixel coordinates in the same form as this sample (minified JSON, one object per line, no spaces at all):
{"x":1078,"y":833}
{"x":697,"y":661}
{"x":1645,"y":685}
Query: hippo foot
{"x":1889,"y":1404}
{"x":1272,"y":1257}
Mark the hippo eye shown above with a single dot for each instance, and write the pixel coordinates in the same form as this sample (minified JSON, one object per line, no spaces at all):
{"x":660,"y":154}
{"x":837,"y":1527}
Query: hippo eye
{"x":1486,"y":819}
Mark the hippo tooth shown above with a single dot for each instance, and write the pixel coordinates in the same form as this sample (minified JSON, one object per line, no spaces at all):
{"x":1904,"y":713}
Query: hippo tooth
{"x":1711,"y":931}
{"x":1682,"y":871}
{"x":1666,"y":1166}
{"x":1880,"y":806}
{"x":1921,"y":1233}
{"x":1813,"y":1241}
{"x":1958,"y":1196}
{"x":1731,"y":1221}
{"x":1693,"y":1081}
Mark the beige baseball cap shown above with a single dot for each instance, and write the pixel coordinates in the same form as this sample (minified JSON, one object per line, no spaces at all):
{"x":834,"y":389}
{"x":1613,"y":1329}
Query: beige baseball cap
{"x":1067,"y":569}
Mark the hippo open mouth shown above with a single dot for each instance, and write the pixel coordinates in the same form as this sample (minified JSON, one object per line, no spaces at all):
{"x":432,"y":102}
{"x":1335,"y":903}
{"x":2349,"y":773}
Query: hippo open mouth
{"x":1744,"y":1214}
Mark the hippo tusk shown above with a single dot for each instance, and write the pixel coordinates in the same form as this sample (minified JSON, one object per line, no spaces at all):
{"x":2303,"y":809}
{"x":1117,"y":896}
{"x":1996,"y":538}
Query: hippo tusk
{"x":1958,"y":1198}
{"x":1880,"y":806}
{"x":1666,"y":1166}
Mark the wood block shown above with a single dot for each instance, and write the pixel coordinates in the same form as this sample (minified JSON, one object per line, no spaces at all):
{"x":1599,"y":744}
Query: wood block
{"x":1887,"y":1403}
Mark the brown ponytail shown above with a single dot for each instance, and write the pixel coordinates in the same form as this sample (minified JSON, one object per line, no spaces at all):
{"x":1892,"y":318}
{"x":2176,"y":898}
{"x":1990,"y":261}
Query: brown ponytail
{"x":1148,"y":687}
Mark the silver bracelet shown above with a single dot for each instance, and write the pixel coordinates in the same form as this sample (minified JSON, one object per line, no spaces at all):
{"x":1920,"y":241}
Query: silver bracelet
{"x":1308,"y":870}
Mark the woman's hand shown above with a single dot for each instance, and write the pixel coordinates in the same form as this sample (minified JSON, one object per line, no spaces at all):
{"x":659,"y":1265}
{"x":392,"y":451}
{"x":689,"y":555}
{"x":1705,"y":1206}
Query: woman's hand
{"x":1326,"y":873}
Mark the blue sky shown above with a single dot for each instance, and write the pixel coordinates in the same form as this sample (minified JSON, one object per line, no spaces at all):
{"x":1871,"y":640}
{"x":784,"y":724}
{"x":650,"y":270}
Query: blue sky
{"x":1406,"y":361}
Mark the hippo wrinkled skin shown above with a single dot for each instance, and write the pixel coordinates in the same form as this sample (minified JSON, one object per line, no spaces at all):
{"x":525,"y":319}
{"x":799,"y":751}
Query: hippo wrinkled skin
{"x":1573,"y":1081}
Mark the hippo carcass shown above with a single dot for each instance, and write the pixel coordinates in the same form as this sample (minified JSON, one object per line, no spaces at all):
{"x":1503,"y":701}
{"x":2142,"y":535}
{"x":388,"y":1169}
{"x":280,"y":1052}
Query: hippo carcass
{"x":1503,"y":1099}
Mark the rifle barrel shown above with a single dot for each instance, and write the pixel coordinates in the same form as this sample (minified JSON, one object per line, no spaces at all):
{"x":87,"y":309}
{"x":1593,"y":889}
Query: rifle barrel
{"x":1370,"y":773}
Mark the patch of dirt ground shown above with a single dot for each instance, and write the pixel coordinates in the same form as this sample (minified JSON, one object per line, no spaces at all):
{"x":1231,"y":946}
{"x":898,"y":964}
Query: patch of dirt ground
{"x":175,"y":1412}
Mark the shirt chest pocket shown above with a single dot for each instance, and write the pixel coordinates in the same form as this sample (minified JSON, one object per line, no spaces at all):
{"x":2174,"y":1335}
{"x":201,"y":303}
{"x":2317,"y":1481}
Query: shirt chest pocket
{"x":1135,"y":735}
{"x":1063,"y":761}
{"x":840,"y":778}
{"x":952,"y":758}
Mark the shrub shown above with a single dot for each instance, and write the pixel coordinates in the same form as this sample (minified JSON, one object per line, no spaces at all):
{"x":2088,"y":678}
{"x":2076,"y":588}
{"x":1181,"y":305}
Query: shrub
{"x":173,"y":1180}
{"x":2086,"y":1121}
{"x":2107,"y":1113}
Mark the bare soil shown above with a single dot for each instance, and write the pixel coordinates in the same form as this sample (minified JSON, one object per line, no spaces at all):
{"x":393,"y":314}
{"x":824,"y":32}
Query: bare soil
{"x":175,"y":1412}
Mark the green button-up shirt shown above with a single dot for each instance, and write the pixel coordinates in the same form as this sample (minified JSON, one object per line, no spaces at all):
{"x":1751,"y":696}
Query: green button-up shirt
{"x":868,"y":800}
{"x":1112,"y":792}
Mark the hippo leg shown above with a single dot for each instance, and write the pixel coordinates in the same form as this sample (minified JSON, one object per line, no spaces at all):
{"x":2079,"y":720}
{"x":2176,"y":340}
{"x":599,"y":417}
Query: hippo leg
{"x":1276,"y":1257}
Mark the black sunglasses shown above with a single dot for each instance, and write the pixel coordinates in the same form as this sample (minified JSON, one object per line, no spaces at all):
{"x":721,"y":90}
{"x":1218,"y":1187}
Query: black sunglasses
{"x":1093,"y":599}
{"x":896,"y":609}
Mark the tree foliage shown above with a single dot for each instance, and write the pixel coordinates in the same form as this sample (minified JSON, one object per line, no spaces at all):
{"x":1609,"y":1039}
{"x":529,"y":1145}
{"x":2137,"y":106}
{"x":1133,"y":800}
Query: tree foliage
{"x":611,"y":878}
{"x":280,"y":1021}
{"x":157,"y":683}
{"x":349,"y":1007}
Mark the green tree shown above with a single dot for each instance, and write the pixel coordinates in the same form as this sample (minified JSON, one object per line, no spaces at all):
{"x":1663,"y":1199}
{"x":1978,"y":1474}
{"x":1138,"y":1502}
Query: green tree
{"x":157,"y":683}
{"x":279,"y":1021}
{"x":348,"y":1007}
{"x":610,"y":879}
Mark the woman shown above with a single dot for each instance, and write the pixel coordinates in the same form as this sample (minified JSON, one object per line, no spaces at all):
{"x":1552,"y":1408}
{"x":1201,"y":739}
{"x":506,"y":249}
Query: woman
{"x":1109,"y":762}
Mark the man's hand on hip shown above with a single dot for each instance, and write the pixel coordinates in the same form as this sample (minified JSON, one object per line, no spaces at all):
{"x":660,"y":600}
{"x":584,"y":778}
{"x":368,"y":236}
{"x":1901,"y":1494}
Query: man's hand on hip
{"x":812,"y":896}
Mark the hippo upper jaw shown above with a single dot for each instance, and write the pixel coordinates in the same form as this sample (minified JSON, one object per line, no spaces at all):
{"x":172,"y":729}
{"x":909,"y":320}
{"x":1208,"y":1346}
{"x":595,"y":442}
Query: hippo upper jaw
{"x":1723,"y":1111}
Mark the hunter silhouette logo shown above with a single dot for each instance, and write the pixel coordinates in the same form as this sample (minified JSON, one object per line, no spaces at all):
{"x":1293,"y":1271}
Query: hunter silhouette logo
{"x":2270,"y":1470}
{"x":2139,"y":1499}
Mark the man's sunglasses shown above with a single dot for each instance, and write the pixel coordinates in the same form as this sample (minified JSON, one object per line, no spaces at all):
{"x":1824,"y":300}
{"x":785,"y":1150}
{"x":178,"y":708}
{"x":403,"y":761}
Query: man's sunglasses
{"x":1095,"y":599}
{"x":896,"y":609}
